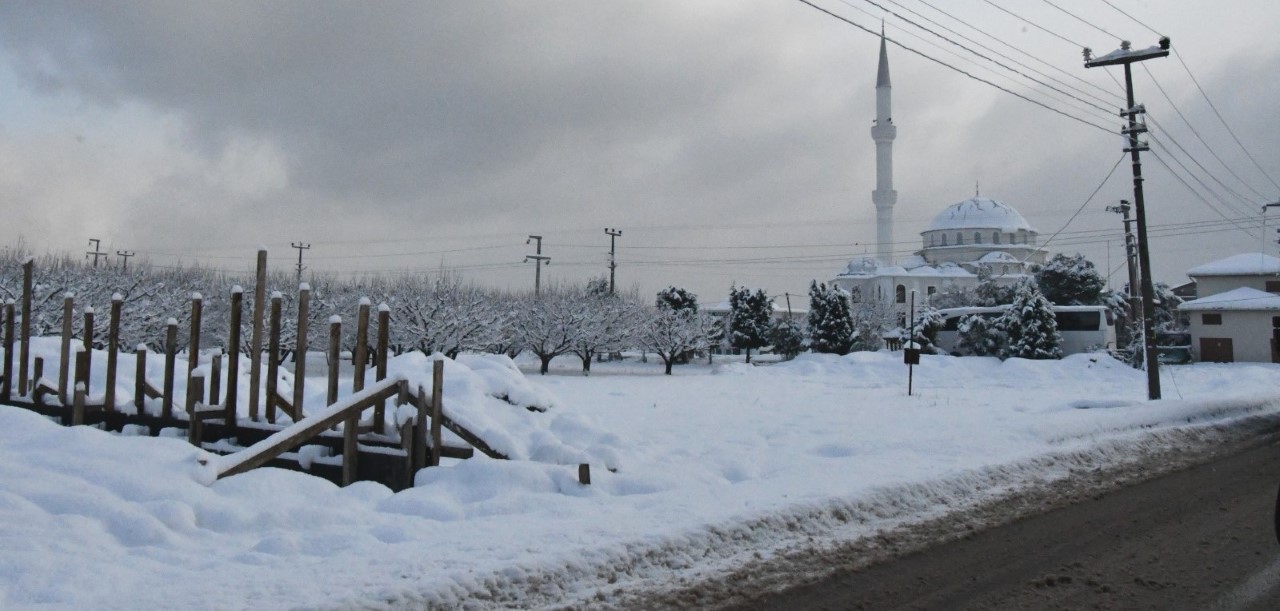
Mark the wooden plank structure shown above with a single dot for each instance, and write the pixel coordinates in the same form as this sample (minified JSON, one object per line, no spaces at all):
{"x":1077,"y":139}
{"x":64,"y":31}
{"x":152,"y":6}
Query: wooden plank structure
{"x":345,"y":446}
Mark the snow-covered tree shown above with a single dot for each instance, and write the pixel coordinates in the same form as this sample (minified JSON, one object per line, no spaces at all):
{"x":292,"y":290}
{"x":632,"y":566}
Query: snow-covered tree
{"x":676,"y":298}
{"x":787,"y":338}
{"x":1070,"y":280}
{"x":953,"y":296}
{"x":550,"y":324}
{"x":871,"y":319}
{"x":989,"y":292}
{"x":926,"y":326}
{"x":673,"y":333}
{"x":831,"y":327}
{"x":1030,"y":325}
{"x":980,"y":336}
{"x":749,"y":319}
{"x":608,"y":321}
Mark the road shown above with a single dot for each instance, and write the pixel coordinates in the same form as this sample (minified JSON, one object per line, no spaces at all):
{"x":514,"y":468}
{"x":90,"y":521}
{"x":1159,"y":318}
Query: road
{"x":1199,"y":538}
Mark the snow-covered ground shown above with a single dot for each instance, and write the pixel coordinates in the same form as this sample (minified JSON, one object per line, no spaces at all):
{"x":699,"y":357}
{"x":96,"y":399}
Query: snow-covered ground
{"x":714,"y":466}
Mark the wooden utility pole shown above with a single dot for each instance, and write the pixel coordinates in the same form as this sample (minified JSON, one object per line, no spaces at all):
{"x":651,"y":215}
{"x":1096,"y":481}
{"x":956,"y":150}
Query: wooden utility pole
{"x":1125,"y":56}
{"x":1131,"y":256}
{"x":613,"y":261}
{"x":538,"y":262}
{"x":301,"y":247}
{"x":124,"y":259}
{"x":96,"y":252}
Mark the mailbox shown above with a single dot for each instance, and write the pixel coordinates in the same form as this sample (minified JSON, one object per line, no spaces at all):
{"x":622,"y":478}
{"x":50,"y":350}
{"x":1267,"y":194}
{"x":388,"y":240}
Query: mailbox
{"x":911,"y":356}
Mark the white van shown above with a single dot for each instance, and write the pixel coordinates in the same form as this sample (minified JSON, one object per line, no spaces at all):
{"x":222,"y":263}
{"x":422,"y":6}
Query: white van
{"x":1083,"y":328}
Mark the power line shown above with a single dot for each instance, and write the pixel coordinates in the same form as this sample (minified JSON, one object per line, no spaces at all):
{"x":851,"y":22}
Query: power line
{"x":1035,"y":25}
{"x":1134,"y":19}
{"x":1084,"y":21}
{"x":964,"y":72}
{"x":994,"y":61}
{"x":1086,"y":203}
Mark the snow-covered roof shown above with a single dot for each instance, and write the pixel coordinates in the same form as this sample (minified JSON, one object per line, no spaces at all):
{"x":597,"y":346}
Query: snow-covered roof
{"x":1243,"y":298}
{"x":1245,"y":264}
{"x":979,"y":213}
{"x":999,"y":256}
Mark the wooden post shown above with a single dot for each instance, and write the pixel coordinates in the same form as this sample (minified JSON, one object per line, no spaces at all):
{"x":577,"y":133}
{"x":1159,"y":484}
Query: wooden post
{"x":170,"y":365}
{"x":233,"y":355}
{"x":193,"y":344}
{"x":420,"y":456}
{"x":88,"y":345}
{"x":195,"y":391}
{"x":25,"y":339}
{"x":113,"y":348}
{"x":273,"y":354}
{"x":7,"y":393}
{"x":38,"y":372}
{"x":361,"y":353}
{"x":335,"y":335}
{"x":300,"y":355}
{"x":77,"y":405}
{"x":437,"y":410}
{"x":384,"y":336}
{"x":64,"y":364}
{"x":215,"y":379}
{"x":350,"y":451}
{"x":140,"y":379}
{"x":81,"y":359}
{"x":255,"y":341}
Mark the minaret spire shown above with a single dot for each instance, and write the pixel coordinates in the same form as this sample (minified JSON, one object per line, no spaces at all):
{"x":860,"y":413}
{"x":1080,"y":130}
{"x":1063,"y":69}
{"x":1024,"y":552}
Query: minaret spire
{"x":883,"y":132}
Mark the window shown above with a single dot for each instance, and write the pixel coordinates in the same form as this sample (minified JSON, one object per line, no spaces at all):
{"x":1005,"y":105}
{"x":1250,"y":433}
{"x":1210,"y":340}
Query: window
{"x":944,"y":239}
{"x":977,"y":238}
{"x":995,"y":237}
{"x":959,"y":238}
{"x":1273,"y":286}
{"x":901,"y":294}
{"x":1211,"y":319}
{"x":931,"y":290}
{"x":1078,"y":321}
{"x":932,"y":237}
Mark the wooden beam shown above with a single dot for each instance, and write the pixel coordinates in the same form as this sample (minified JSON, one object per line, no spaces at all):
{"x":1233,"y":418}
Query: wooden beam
{"x":300,"y":354}
{"x":273,"y":352}
{"x":113,"y":352}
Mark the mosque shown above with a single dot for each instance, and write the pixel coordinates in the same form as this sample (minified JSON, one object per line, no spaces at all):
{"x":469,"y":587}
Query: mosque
{"x":977,"y":234}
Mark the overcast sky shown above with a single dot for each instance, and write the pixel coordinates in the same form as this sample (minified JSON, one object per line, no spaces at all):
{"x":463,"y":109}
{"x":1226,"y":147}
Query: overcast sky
{"x":728,"y":140}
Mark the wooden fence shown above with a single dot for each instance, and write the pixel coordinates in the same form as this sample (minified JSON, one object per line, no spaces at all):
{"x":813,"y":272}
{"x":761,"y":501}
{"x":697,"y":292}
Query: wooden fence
{"x":365,"y":448}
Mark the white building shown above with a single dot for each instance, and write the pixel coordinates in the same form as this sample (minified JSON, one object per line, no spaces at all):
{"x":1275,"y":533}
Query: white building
{"x":966,"y":237}
{"x":1236,"y":325}
{"x":1239,"y":317}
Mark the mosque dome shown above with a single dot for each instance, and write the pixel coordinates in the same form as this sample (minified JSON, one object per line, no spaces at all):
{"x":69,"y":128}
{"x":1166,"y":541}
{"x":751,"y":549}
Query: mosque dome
{"x":979,"y":213}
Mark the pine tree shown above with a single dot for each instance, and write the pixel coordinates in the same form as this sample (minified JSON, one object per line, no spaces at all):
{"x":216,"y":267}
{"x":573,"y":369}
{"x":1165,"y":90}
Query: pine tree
{"x":1030,"y":325}
{"x":830,"y":321}
{"x":927,"y":324}
{"x":749,"y":318}
{"x":1070,"y":281}
{"x":677,"y":299}
{"x":980,"y":336}
{"x":787,"y":338}
{"x":989,"y":293}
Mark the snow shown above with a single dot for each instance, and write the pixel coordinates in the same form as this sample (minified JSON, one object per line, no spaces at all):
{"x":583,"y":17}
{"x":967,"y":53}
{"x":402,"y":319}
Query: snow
{"x":713,"y":465}
{"x":197,"y":297}
{"x":979,"y":213}
{"x":88,"y":309}
{"x":1244,"y":264}
{"x":1243,"y":298}
{"x":304,"y":287}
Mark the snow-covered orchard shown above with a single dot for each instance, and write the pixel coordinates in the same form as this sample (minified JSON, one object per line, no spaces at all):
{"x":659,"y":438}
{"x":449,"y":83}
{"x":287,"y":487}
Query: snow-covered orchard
{"x":715,"y":466}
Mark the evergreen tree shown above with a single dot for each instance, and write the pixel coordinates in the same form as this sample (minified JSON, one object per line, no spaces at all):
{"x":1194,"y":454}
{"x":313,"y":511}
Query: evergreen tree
{"x":1070,"y":281}
{"x":787,"y":338}
{"x":989,"y":293}
{"x":1030,"y":325}
{"x":927,"y":324}
{"x":871,"y":319}
{"x":830,"y":321}
{"x":980,"y":336}
{"x":749,"y":318}
{"x":677,"y":299}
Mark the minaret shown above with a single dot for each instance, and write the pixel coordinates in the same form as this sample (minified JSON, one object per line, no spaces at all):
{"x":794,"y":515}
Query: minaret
{"x":883,"y":132}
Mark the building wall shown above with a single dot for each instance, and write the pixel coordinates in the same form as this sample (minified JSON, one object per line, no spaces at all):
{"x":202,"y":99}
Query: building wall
{"x":1249,"y":332}
{"x":1212,"y":285}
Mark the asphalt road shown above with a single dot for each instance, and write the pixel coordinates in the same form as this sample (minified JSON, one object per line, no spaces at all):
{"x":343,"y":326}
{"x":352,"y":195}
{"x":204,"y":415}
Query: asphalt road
{"x":1200,"y":538}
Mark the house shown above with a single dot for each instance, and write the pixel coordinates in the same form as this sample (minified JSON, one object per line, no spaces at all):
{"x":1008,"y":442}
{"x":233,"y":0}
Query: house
{"x":1241,"y":324}
{"x":1254,"y":269}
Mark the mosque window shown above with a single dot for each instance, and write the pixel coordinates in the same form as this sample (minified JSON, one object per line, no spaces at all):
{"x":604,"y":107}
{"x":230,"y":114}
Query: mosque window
{"x":944,"y":239}
{"x":901,"y":294}
{"x":959,"y":238}
{"x":977,"y":238}
{"x":932,"y":237}
{"x":995,"y":237}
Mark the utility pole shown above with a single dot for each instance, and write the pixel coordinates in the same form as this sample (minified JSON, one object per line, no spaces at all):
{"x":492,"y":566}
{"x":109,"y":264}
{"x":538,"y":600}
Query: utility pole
{"x":124,"y":259}
{"x":613,"y":261}
{"x":301,"y":247}
{"x":538,"y":262}
{"x":1264,"y":221}
{"x":1126,"y":56}
{"x":95,"y":253}
{"x":1130,"y":246}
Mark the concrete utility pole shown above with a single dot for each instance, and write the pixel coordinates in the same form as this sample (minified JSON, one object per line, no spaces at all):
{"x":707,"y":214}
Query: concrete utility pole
{"x":95,"y":253}
{"x":1131,"y":256}
{"x":1264,"y":221}
{"x":538,"y":262}
{"x":613,"y":262}
{"x":124,"y":259}
{"x":1125,"y":56}
{"x":301,"y":247}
